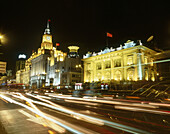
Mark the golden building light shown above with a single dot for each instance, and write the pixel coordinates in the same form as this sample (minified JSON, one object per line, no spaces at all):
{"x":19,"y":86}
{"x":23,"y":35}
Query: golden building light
{"x":128,"y":62}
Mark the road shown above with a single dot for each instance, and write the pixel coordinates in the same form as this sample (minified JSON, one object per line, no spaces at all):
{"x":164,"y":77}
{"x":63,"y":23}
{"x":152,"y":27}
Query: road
{"x":52,"y":113}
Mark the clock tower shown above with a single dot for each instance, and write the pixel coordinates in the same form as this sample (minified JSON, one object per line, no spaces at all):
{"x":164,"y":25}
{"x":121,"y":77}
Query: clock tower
{"x":47,"y":39}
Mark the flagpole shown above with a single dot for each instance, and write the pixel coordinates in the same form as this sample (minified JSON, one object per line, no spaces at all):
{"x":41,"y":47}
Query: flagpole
{"x":106,"y":40}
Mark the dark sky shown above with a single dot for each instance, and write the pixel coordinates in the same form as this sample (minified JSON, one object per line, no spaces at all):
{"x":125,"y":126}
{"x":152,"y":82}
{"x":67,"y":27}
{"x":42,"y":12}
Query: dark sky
{"x":81,"y":22}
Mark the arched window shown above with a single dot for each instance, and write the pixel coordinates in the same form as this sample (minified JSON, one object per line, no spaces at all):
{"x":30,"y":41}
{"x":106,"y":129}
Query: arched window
{"x":146,"y":74}
{"x":118,"y":75}
{"x":129,"y":60}
{"x":107,"y":76}
{"x":152,"y":76}
{"x":98,"y":77}
{"x":130,"y":75}
{"x":107,"y":64}
{"x":98,"y":66}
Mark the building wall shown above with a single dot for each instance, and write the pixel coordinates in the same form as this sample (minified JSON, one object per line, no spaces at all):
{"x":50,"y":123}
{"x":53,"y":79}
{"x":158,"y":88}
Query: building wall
{"x":20,"y":64}
{"x":133,"y":63}
{"x":60,"y":69}
{"x":3,"y":67}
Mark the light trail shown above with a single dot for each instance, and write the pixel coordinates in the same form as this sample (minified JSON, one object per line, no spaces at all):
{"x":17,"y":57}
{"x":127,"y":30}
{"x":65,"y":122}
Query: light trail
{"x":159,"y":104}
{"x":34,"y":111}
{"x":78,"y":115}
{"x":87,"y":103}
{"x":106,"y":101}
{"x":66,"y":110}
{"x":143,"y":110}
{"x":97,"y":120}
{"x":77,"y":128}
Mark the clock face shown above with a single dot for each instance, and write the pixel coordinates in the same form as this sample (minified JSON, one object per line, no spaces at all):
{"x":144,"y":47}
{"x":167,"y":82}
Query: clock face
{"x":48,"y":38}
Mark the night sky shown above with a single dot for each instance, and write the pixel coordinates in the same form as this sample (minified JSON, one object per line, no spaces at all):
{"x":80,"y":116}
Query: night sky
{"x":81,"y":22}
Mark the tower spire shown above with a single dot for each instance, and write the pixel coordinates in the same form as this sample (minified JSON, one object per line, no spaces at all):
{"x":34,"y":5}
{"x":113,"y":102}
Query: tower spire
{"x":47,"y":30}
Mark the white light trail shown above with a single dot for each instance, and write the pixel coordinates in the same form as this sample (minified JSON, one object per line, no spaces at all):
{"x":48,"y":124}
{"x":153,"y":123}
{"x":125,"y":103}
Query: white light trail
{"x":78,"y":115}
{"x":105,"y":101}
{"x":140,"y":109}
{"x":34,"y":111}
{"x":96,"y":120}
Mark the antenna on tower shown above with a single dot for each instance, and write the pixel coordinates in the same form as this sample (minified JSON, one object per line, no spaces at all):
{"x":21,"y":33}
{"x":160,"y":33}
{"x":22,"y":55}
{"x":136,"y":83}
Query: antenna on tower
{"x":48,"y":23}
{"x":47,"y":30}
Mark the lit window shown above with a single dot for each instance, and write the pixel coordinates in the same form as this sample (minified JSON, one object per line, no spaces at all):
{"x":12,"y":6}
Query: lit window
{"x":146,"y":75}
{"x":99,"y":66}
{"x":107,"y":64}
{"x":151,"y":62}
{"x":145,"y":60}
{"x":117,"y":63}
{"x":118,"y":75}
{"x":130,"y":75}
{"x":130,"y":60}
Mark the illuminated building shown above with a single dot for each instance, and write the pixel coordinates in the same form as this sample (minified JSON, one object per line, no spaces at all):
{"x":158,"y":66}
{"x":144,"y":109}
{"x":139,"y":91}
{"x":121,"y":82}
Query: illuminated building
{"x":39,"y":60}
{"x":34,"y":73}
{"x":20,"y":63}
{"x":49,"y":66}
{"x":3,"y":67}
{"x":61,"y":68}
{"x":131,"y":62}
{"x":23,"y":75}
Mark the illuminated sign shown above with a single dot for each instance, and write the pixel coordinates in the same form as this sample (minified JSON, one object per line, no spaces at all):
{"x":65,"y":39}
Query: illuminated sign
{"x":23,"y":56}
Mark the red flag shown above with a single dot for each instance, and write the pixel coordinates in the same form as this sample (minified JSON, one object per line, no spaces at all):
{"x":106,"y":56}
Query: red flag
{"x":49,"y":20}
{"x":57,"y":44}
{"x":109,"y":34}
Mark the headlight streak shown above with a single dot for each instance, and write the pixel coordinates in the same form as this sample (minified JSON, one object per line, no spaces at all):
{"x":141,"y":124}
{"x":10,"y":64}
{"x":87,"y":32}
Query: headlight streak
{"x":107,"y":123}
{"x":77,"y":127}
{"x":97,"y":120}
{"x":34,"y":111}
{"x":139,"y":109}
{"x":160,"y":104}
{"x":67,"y":111}
{"x":104,"y":101}
{"x":39,"y":97}
{"x":88,"y":103}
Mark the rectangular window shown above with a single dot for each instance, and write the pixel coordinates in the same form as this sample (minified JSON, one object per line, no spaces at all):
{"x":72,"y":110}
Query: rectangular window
{"x":73,"y":75}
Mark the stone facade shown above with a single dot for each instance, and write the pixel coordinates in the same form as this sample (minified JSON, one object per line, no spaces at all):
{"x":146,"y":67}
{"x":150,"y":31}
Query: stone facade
{"x":130,"y":62}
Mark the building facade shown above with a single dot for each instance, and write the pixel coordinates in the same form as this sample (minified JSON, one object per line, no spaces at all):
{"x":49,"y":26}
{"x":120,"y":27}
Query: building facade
{"x":49,"y":66}
{"x":3,"y":67}
{"x":131,"y":62}
{"x":20,"y":63}
{"x":61,"y":68}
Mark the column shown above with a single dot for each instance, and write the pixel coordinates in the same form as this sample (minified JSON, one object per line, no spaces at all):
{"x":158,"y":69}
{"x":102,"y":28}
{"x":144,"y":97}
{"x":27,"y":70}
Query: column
{"x":85,"y":72}
{"x":139,"y":66}
{"x":112,"y":66}
{"x":102,"y":61}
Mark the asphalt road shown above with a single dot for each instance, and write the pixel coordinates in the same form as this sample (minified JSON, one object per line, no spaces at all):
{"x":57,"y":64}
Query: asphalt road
{"x":51,"y":113}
